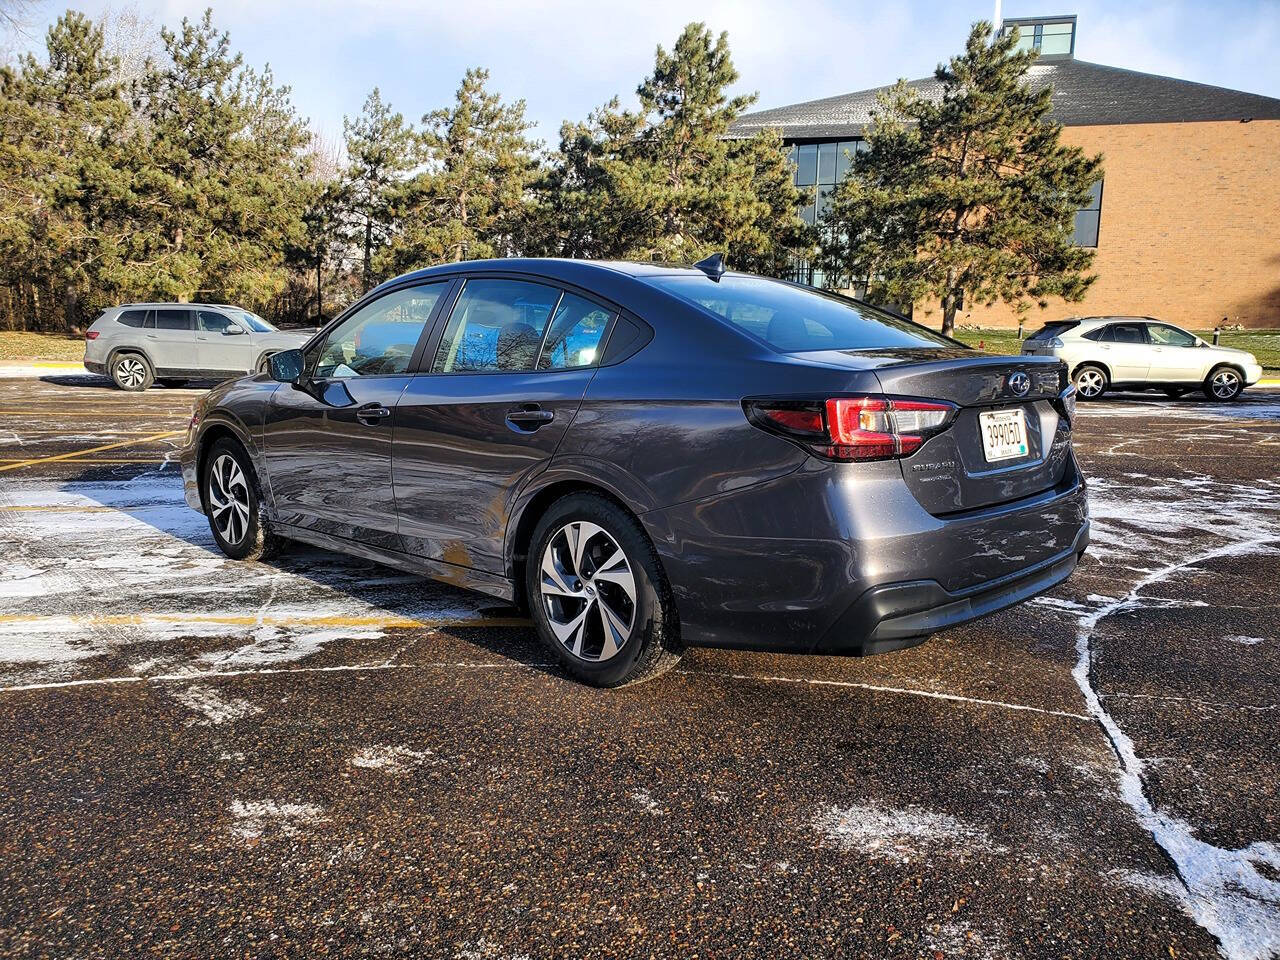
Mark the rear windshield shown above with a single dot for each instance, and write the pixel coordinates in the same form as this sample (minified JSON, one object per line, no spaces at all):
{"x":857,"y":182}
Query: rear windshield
{"x":796,"y":319}
{"x":1053,"y":329}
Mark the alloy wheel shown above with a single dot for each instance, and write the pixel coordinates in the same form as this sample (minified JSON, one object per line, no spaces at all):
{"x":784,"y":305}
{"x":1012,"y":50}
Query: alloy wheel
{"x":588,"y":591}
{"x":229,"y":499}
{"x":1225,"y":384}
{"x":1090,"y":383}
{"x":130,"y":372}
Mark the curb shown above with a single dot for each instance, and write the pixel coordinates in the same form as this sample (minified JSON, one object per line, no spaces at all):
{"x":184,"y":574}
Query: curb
{"x":38,"y":368}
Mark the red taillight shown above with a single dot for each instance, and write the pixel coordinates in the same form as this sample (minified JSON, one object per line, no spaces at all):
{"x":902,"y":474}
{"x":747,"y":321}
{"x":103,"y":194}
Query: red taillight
{"x":855,"y":428}
{"x":91,"y":334}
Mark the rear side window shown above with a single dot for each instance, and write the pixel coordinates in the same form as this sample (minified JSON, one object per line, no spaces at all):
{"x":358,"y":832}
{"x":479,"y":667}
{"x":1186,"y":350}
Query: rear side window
{"x":1094,"y":334}
{"x":576,"y":332}
{"x":795,"y":319}
{"x":1051,"y":330}
{"x":173,"y":319}
{"x":1124,"y":333}
{"x":496,"y":325}
{"x":132,"y":318}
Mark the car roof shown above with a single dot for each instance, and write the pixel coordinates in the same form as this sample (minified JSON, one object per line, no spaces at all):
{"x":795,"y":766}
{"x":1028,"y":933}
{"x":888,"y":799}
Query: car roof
{"x":150,"y":306}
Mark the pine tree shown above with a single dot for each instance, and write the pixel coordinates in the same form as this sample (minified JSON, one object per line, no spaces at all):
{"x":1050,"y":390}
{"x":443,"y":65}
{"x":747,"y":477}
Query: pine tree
{"x":64,"y":183}
{"x":965,"y":198}
{"x":222,"y":189}
{"x":469,"y":201}
{"x":668,"y":183}
{"x":381,"y":153}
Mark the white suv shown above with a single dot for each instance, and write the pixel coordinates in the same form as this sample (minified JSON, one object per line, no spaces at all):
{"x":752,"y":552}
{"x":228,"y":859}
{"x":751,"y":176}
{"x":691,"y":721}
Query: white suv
{"x":1140,"y":352}
{"x":141,"y":343}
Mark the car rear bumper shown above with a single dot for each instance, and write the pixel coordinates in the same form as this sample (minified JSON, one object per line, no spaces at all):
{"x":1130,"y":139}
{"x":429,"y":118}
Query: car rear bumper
{"x":897,"y":615}
{"x":95,"y":367}
{"x":846,"y":561}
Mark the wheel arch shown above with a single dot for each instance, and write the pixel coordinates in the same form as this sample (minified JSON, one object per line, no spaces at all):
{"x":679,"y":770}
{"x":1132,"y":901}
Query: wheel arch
{"x":1092,"y":363}
{"x":521,"y":532}
{"x":210,"y":435}
{"x":131,"y":348}
{"x":1228,"y":365}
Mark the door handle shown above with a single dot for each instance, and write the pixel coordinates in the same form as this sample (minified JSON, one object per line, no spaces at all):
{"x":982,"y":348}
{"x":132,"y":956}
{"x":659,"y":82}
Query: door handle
{"x":372,"y":413}
{"x":529,"y":417}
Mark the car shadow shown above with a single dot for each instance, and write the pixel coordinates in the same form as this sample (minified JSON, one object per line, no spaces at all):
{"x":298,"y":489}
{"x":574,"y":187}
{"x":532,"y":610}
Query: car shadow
{"x":322,"y":580}
{"x":101,"y":382}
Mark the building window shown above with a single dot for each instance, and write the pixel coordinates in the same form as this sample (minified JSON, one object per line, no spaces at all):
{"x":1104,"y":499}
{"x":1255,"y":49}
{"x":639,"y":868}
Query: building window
{"x":819,"y":167}
{"x":1053,"y":38}
{"x":1088,"y":218}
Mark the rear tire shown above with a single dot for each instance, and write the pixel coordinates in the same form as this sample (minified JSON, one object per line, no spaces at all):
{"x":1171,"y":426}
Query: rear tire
{"x":1090,"y":381}
{"x":230,"y":492}
{"x":132,"y":372}
{"x":1223,"y":383}
{"x":597,"y":593}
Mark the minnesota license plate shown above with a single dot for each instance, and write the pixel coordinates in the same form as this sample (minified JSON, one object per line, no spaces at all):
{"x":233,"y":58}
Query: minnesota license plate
{"x":1004,"y":434}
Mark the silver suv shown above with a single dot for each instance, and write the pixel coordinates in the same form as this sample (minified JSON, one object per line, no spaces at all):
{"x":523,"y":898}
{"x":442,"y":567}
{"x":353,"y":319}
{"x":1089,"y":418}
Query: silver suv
{"x":140,"y":343}
{"x":1141,"y":352}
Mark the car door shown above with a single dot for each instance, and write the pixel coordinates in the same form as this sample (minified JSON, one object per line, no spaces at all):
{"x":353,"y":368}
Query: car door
{"x":222,"y":345}
{"x":488,"y":411}
{"x":1124,"y":349}
{"x":171,"y":342}
{"x":1176,"y":356}
{"x":328,"y":438}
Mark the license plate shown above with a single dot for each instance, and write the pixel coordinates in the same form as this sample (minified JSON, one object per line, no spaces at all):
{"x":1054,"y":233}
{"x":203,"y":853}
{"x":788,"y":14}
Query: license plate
{"x":1004,"y":434}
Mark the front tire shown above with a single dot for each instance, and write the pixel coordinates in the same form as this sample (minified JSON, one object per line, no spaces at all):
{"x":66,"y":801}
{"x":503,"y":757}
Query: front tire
{"x":231,"y":495}
{"x":132,"y":372}
{"x":597,"y":593}
{"x":1090,"y":381}
{"x":1224,"y":383}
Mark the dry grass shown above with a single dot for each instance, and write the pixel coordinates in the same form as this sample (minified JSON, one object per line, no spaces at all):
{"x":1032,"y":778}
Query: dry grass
{"x":17,"y":347}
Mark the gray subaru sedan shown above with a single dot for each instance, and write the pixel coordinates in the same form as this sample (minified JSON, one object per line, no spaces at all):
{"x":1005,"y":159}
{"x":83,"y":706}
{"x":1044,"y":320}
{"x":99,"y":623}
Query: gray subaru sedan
{"x":653,"y":457}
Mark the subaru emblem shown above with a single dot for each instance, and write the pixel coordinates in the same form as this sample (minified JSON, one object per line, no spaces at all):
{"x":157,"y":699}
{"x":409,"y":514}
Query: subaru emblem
{"x":1019,"y":384}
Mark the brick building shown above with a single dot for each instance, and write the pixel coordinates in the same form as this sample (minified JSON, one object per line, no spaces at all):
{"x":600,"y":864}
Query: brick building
{"x":1186,"y":220}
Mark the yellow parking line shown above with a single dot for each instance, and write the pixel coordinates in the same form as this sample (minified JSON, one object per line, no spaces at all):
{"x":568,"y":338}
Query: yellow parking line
{"x":93,"y":460}
{"x":250,"y":620}
{"x":79,"y":453}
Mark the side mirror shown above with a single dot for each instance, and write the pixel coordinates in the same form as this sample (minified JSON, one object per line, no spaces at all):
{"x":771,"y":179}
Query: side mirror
{"x":286,"y":366}
{"x":233,"y":331}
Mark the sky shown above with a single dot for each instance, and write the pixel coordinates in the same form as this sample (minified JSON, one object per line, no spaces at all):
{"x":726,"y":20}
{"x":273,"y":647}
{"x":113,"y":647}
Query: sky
{"x":566,"y":57}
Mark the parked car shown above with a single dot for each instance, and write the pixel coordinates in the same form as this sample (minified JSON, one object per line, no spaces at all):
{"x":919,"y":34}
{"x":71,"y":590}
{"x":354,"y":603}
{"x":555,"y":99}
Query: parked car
{"x":653,"y":457}
{"x":1106,"y":353}
{"x":141,"y":343}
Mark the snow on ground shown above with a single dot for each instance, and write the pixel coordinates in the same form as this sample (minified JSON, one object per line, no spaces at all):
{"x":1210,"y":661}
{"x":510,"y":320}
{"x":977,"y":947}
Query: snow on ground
{"x":1175,"y":525}
{"x":391,"y":759}
{"x":98,"y":568}
{"x":900,"y":834}
{"x":213,"y":706}
{"x":253,"y":818}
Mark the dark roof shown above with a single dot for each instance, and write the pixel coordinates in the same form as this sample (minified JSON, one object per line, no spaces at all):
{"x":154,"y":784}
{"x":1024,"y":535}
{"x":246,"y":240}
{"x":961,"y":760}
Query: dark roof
{"x":1083,"y":94}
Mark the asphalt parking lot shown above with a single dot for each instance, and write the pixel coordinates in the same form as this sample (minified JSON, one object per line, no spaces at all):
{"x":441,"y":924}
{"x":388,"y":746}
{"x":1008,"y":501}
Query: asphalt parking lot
{"x":320,"y":756}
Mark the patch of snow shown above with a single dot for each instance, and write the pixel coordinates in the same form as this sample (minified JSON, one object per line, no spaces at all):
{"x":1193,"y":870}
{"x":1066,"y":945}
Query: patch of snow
{"x":213,"y":706}
{"x":256,"y":817}
{"x":645,"y":802}
{"x":485,"y":949}
{"x":391,"y":759}
{"x":1244,"y":641}
{"x":956,"y":938}
{"x":900,"y":834}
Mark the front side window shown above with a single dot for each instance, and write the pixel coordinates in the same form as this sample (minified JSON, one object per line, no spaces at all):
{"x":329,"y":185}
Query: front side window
{"x":211,"y":321}
{"x":576,"y":332}
{"x":496,"y":325}
{"x":380,"y":337}
{"x":792,"y":319}
{"x":173,"y":319}
{"x":255,"y":322}
{"x":1163,"y":335}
